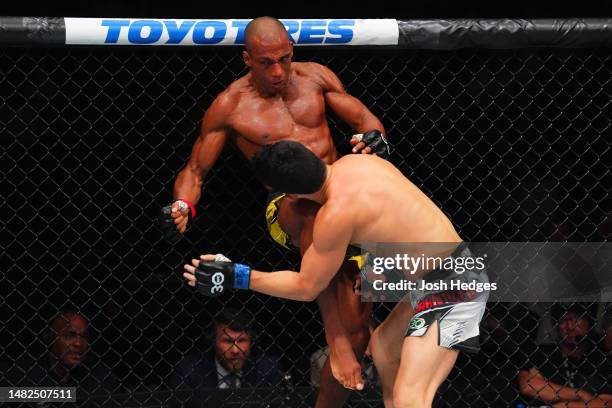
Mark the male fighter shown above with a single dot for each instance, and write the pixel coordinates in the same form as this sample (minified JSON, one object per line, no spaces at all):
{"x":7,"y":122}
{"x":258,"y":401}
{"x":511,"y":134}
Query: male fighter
{"x":364,"y":199}
{"x":276,"y":100}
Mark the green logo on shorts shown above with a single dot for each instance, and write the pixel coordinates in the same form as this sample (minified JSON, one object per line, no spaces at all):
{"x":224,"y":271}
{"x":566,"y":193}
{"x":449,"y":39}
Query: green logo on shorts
{"x":416,"y":323}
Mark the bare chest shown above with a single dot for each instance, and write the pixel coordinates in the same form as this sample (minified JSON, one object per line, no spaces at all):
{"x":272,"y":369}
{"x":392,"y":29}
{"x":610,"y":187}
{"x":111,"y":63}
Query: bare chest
{"x":262,"y":121}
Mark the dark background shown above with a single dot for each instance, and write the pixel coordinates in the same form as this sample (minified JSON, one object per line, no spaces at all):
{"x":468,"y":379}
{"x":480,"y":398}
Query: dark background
{"x":312,"y":9}
{"x":511,"y":144}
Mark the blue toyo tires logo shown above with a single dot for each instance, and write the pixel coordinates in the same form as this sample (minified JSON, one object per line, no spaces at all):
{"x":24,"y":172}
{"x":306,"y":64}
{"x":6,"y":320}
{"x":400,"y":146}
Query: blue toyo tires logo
{"x":230,"y":32}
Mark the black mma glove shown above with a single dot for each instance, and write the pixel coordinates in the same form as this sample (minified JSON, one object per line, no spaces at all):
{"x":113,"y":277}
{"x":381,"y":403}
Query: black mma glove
{"x":215,"y":278}
{"x":166,"y":222}
{"x":375,"y":140}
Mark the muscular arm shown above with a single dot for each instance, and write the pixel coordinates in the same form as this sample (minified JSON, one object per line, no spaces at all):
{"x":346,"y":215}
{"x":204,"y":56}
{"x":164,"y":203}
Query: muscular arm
{"x":206,"y":150}
{"x":347,"y":107}
{"x":320,"y":263}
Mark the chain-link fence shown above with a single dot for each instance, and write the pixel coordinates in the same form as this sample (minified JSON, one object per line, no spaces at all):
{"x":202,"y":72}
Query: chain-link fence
{"x":514,"y":145}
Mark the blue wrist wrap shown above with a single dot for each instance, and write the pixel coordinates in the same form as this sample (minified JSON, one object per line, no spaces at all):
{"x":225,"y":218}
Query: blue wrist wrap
{"x":242,"y":276}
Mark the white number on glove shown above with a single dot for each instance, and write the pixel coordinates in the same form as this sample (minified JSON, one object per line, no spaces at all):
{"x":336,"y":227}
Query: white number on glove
{"x":218,"y":278}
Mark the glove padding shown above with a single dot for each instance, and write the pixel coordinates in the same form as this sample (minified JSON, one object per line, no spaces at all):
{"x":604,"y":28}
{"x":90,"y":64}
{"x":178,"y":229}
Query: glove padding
{"x":375,"y":140}
{"x":167,"y":226}
{"x":214,"y":278}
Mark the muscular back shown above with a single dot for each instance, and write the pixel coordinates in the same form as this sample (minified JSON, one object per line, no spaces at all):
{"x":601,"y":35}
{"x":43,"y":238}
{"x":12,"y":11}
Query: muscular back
{"x":298,"y":114}
{"x":382,"y":205}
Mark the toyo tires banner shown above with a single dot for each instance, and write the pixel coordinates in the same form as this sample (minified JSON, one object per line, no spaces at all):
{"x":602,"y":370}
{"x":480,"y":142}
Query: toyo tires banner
{"x":108,"y":31}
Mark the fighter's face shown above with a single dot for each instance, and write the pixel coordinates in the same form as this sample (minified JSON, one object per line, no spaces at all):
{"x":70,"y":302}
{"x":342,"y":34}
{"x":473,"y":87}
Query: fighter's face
{"x":71,"y":340}
{"x":270,"y":64}
{"x":232,"y":347}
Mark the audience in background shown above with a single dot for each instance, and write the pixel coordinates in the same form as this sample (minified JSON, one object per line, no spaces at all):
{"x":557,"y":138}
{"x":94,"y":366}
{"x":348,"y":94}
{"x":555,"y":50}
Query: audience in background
{"x":233,"y":363}
{"x":575,"y":372}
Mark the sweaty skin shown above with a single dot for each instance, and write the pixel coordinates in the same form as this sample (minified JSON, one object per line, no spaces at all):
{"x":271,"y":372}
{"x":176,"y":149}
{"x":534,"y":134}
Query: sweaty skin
{"x":293,"y":109}
{"x":364,"y":199}
{"x":279,"y":99}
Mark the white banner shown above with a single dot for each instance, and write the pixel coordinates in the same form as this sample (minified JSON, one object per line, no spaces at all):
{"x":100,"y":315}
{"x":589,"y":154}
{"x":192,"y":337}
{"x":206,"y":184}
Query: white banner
{"x":133,"y":31}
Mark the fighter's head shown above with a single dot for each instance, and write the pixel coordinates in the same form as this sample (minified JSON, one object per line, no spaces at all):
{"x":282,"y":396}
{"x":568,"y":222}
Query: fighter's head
{"x":289,"y":167}
{"x":268,"y":53}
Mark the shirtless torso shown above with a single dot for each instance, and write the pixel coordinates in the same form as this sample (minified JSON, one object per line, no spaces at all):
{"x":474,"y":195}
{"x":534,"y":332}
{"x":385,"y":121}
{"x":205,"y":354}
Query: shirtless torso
{"x":298,"y":114}
{"x":384,"y":206}
{"x":283,"y":100}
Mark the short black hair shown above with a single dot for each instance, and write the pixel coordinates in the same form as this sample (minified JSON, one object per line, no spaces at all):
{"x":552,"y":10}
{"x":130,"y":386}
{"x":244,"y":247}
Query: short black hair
{"x":289,"y":167}
{"x":234,"y":319}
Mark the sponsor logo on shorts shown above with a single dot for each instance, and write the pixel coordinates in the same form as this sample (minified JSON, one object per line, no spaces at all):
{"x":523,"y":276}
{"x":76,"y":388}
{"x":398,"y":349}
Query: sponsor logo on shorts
{"x":444,"y":298}
{"x":416,"y":323}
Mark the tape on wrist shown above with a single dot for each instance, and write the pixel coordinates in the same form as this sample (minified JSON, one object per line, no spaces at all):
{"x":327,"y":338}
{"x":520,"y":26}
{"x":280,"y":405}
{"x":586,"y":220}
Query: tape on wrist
{"x":184,"y":204}
{"x":222,"y":258}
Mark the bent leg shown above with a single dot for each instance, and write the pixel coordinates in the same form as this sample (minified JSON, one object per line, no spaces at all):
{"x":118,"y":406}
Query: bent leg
{"x":347,"y":347}
{"x":345,"y":318}
{"x":346,"y":330}
{"x":423,"y":367}
{"x":386,"y":346}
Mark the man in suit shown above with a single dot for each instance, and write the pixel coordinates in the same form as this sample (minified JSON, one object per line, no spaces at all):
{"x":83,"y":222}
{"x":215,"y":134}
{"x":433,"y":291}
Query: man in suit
{"x":232,"y":364}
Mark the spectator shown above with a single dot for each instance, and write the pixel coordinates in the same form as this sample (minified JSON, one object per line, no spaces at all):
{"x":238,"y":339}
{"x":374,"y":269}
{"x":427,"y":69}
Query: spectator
{"x":574,"y":373}
{"x":233,"y":363}
{"x":67,"y":361}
